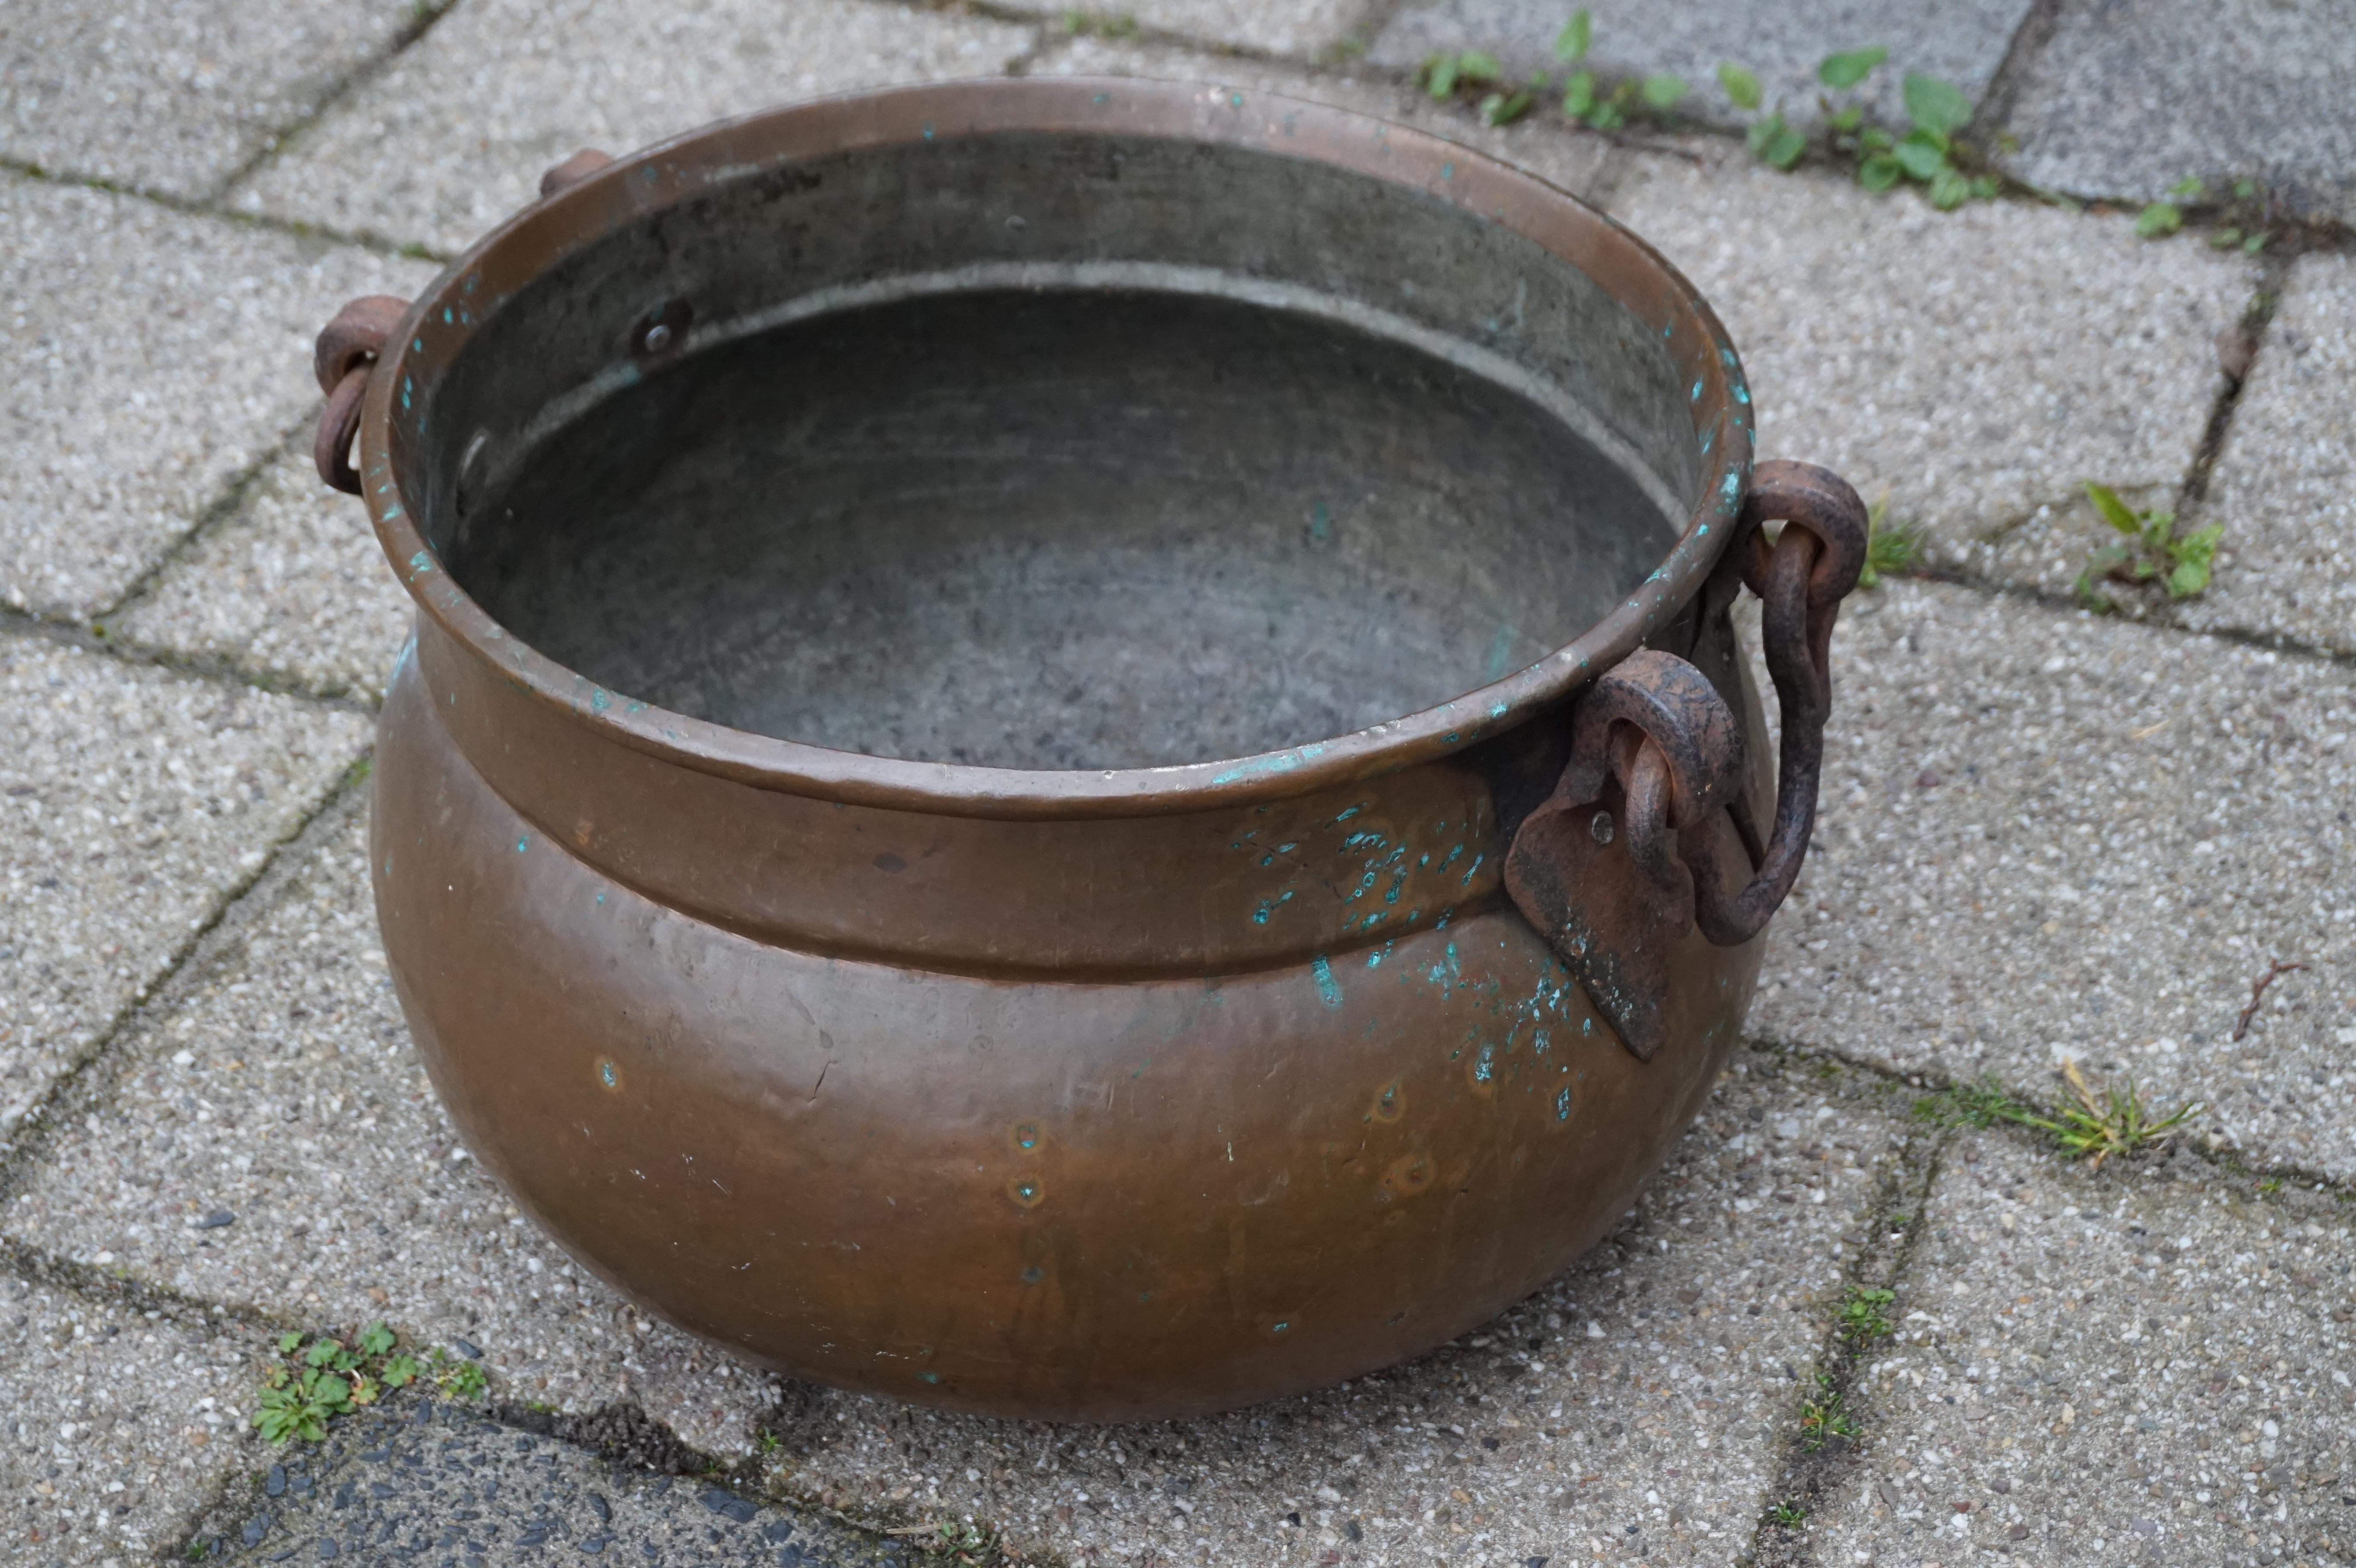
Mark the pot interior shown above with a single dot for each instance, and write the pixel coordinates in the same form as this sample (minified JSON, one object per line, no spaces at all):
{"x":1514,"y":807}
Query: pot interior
{"x":1089,"y":511}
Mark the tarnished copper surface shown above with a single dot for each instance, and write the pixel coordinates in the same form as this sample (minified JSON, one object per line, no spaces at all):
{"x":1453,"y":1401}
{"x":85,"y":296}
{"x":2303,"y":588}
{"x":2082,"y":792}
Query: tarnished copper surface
{"x":1097,"y":1093}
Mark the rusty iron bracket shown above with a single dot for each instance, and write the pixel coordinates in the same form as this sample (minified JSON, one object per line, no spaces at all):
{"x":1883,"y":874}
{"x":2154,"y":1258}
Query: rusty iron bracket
{"x":1629,"y":854}
{"x":572,"y":171}
{"x":345,"y":353}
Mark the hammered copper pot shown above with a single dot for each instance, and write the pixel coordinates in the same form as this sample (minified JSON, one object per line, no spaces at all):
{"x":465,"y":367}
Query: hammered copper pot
{"x":1075,"y":749}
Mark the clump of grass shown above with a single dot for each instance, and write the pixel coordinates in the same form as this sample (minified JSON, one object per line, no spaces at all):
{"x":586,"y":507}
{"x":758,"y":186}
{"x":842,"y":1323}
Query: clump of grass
{"x":1890,"y":550}
{"x":1823,"y":1418}
{"x":1787,"y":1515}
{"x":2116,"y":1121}
{"x":1980,"y":1105}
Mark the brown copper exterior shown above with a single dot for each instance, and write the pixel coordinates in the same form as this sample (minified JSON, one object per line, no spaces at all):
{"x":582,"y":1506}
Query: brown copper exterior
{"x":984,"y":1087}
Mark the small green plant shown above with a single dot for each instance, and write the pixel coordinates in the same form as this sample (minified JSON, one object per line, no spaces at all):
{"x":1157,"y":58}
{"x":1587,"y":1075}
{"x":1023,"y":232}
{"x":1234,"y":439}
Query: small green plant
{"x":1442,"y":75}
{"x":1118,"y":25}
{"x":1890,"y":550}
{"x":2241,"y":210}
{"x":2115,"y":1122}
{"x":2271,"y":1185}
{"x":1787,"y":1515}
{"x":1504,"y":107}
{"x":1862,"y":1319}
{"x":1981,"y":1105}
{"x":319,"y":1378}
{"x":1822,"y":1418}
{"x":2150,"y":550}
{"x":1608,"y":109}
{"x":1927,"y":153}
{"x":768,"y":1439}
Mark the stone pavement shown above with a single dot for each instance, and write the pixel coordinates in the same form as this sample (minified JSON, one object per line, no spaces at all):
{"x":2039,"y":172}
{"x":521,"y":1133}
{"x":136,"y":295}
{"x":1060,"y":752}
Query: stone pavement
{"x":2049,"y":836}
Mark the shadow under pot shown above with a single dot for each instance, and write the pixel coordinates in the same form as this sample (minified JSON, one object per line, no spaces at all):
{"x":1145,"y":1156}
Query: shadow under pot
{"x":1075,"y":749}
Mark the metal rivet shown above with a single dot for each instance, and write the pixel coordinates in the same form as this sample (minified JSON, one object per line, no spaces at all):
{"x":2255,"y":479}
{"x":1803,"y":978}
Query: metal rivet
{"x":658,"y":337}
{"x":1601,"y":826}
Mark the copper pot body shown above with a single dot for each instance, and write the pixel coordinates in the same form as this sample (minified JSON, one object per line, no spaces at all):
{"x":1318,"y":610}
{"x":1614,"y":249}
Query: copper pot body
{"x":1091,"y":1093}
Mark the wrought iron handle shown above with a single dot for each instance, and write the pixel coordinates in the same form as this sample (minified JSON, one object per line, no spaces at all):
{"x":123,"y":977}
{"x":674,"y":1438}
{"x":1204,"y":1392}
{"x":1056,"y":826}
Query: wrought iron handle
{"x":348,"y":346}
{"x":1631,"y":850}
{"x":1800,"y":580}
{"x":346,"y":351}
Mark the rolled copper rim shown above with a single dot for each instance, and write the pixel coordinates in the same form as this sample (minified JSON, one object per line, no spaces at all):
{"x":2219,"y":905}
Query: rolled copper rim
{"x":505,"y":260}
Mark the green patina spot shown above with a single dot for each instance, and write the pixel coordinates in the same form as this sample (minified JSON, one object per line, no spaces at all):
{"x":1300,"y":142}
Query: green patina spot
{"x":1328,"y":990}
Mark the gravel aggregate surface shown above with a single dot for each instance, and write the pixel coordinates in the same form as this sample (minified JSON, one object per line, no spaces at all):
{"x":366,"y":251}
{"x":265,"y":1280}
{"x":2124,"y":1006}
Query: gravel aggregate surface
{"x":150,"y":356}
{"x":2285,"y":484}
{"x":2113,"y":1367}
{"x":117,"y":1424}
{"x":2051,"y":834}
{"x":290,"y":587}
{"x":171,"y":97}
{"x":439,"y":1483}
{"x":1297,"y":28}
{"x":534,"y":84}
{"x":1574,"y":161}
{"x":284,"y":1095}
{"x":2126,"y":99}
{"x":1974,"y":366}
{"x":133,"y":802}
{"x":1781,"y":41}
{"x":1635,"y":1409}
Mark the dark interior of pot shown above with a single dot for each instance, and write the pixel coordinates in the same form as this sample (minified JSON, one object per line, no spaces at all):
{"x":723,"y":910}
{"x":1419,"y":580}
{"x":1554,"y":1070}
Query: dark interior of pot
{"x":984,"y":453}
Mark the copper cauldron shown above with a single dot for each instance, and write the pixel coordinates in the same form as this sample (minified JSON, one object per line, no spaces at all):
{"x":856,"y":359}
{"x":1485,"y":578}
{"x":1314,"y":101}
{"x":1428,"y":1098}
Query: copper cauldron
{"x":1074,"y":748}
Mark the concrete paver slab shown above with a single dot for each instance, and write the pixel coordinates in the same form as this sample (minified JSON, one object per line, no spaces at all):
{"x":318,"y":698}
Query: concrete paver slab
{"x":1972,"y":365}
{"x":132,"y":801}
{"x":116,"y":1424}
{"x":175,"y":98}
{"x":149,"y":355}
{"x":1573,"y":160}
{"x":440,"y":1484}
{"x":284,"y":1095}
{"x":2128,"y":100}
{"x":534,"y":84}
{"x":2048,"y":833}
{"x":2108,"y":1369}
{"x":1302,"y":29}
{"x":1780,"y":40}
{"x":1635,"y":1409}
{"x":2285,"y":484}
{"x":292,"y":587}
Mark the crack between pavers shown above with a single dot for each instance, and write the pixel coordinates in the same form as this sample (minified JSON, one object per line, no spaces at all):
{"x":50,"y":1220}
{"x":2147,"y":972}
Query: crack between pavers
{"x":1809,"y":1479}
{"x":85,"y":1087}
{"x":216,"y":514}
{"x":291,"y":229}
{"x":211,"y":670}
{"x":2274,"y":275}
{"x":423,"y":18}
{"x":2022,"y":53}
{"x":1925,"y":1084}
{"x":2055,"y":599}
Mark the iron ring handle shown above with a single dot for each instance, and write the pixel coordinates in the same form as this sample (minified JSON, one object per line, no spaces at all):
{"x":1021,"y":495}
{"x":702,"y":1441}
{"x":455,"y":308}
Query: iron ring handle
{"x":343,"y":358}
{"x":348,"y":346}
{"x":1800,"y":580}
